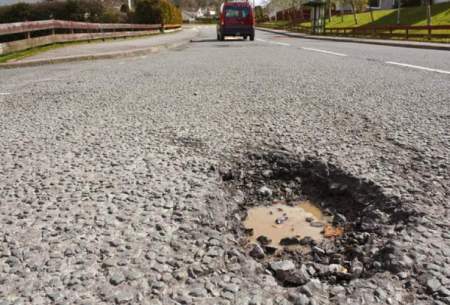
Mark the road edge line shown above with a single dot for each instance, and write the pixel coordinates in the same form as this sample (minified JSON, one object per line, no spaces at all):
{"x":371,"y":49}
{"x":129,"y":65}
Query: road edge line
{"x":417,"y":67}
{"x":406,"y":44}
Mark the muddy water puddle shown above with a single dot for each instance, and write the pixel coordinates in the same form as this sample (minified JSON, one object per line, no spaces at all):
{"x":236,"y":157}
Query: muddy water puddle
{"x":280,"y":221}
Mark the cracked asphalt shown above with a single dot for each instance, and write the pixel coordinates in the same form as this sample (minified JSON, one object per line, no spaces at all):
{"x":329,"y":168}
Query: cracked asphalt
{"x":110,"y":189}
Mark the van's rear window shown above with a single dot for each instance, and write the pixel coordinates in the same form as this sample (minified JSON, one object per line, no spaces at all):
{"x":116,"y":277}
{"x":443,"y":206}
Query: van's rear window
{"x":237,"y":12}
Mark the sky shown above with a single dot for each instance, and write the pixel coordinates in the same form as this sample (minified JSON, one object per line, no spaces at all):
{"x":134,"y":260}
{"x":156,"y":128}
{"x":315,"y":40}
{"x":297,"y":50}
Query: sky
{"x":4,"y":2}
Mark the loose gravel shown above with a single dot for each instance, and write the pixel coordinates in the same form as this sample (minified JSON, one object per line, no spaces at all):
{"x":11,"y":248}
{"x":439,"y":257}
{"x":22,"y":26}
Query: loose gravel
{"x":118,"y":178}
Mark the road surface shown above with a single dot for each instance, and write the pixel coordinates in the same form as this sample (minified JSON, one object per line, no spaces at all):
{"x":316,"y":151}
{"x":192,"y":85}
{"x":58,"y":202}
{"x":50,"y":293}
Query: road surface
{"x":110,"y":170}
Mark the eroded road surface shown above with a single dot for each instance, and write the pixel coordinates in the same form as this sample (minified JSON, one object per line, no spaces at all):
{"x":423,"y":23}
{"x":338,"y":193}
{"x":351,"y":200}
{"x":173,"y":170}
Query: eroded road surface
{"x":125,"y":181}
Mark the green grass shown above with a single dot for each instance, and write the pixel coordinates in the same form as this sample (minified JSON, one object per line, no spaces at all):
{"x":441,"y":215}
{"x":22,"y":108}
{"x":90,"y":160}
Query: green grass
{"x":276,"y":24}
{"x":34,"y":51}
{"x":408,"y":16}
{"x":30,"y":52}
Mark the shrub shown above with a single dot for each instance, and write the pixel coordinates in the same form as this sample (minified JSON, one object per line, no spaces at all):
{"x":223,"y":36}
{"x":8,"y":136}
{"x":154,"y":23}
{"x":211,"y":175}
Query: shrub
{"x":148,"y":11}
{"x":76,"y":10}
{"x":16,"y":13}
{"x":156,"y":11}
{"x":170,"y":13}
{"x":111,"y":16}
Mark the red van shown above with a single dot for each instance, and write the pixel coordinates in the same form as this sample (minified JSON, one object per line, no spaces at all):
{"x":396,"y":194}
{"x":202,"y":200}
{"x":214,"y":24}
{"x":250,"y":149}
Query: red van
{"x":236,"y":19}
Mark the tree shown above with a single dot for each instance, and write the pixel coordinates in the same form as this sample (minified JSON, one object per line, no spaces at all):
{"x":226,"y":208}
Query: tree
{"x":259,"y":13}
{"x":361,"y":5}
{"x":341,"y":4}
{"x":147,"y":11}
{"x":330,"y":4}
{"x":72,"y":11}
{"x":399,"y":4}
{"x":277,"y":5}
{"x":170,"y":13}
{"x":15,"y":13}
{"x":124,"y":8}
{"x":110,"y":16}
{"x":357,"y":6}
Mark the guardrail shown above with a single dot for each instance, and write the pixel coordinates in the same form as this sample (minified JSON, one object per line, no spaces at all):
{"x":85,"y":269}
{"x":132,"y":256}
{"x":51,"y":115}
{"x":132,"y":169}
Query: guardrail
{"x":382,"y":31}
{"x":394,"y":31}
{"x":20,"y":36}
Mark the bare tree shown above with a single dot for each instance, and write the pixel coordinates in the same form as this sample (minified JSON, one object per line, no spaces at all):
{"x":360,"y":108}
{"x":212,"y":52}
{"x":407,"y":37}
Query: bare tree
{"x":429,"y":17}
{"x":330,"y":4}
{"x":357,"y":6}
{"x":277,"y":5}
{"x":341,"y":11}
{"x":428,"y":12}
{"x":352,"y":2}
{"x":329,"y":10}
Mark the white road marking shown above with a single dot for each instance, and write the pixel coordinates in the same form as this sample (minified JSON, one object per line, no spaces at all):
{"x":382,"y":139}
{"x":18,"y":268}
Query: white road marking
{"x":324,"y":51}
{"x":5,"y":93}
{"x":43,"y":80}
{"x":281,"y":43}
{"x":274,"y":42}
{"x":417,"y":67}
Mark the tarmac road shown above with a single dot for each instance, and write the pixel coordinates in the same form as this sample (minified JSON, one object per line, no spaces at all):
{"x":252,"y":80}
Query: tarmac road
{"x":110,"y":189}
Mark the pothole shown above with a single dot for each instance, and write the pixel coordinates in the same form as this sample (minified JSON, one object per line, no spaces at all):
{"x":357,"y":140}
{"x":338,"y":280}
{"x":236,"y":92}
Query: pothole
{"x":304,"y":218}
{"x":294,"y":225}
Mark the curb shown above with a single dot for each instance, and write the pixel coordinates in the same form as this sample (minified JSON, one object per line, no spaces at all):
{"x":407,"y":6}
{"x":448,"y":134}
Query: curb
{"x":417,"y":45}
{"x":109,"y":55}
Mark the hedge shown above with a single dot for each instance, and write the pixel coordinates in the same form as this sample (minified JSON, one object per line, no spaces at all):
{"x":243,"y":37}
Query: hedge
{"x":146,"y":11}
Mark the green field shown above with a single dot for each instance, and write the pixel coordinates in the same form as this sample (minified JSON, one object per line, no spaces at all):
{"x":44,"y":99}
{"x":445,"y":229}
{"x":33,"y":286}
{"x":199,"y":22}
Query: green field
{"x":440,"y":15}
{"x":409,"y":16}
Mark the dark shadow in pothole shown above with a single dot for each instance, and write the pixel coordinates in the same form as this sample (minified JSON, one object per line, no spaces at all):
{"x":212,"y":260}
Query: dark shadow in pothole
{"x":369,"y":218}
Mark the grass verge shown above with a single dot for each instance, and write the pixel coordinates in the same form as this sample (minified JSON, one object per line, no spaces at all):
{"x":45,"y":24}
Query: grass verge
{"x":440,"y":15}
{"x":409,"y":16}
{"x":33,"y":51}
{"x":37,"y":50}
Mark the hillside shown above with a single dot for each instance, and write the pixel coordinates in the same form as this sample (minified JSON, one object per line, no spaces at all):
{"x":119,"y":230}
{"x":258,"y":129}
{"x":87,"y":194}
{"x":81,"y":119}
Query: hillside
{"x":409,"y":15}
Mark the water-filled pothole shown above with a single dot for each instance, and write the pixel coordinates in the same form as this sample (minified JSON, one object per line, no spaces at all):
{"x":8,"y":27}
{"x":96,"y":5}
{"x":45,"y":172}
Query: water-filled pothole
{"x":279,"y":224}
{"x":357,"y":217}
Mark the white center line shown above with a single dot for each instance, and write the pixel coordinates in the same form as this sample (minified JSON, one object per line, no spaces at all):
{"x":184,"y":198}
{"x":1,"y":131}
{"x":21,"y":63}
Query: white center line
{"x":274,"y":42}
{"x":324,"y":51}
{"x":281,"y":43}
{"x":417,"y":67}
